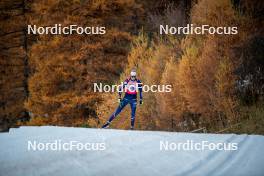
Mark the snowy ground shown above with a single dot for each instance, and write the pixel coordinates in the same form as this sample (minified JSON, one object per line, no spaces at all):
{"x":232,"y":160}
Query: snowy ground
{"x":127,"y":153}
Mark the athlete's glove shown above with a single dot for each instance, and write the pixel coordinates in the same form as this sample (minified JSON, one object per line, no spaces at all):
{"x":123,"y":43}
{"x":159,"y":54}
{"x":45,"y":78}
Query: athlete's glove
{"x":120,"y":102}
{"x":141,"y":102}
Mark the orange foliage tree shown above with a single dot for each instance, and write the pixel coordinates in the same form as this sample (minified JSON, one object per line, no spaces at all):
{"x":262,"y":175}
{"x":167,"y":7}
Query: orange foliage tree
{"x":64,"y":67}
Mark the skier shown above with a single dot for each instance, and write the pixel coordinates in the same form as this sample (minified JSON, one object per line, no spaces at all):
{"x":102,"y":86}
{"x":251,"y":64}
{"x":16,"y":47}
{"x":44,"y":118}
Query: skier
{"x":131,"y":86}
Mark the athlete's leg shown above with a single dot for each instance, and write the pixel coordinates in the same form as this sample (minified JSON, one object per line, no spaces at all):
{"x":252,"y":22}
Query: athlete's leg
{"x":133,"y":105}
{"x":122,"y":104}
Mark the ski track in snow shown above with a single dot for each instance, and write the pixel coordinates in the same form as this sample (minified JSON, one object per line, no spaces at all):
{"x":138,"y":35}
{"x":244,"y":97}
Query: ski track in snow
{"x":128,"y":153}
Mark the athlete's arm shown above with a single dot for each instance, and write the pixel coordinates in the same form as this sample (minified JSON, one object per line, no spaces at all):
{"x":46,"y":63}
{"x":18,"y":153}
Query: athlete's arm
{"x":122,"y":88}
{"x":140,"y":89}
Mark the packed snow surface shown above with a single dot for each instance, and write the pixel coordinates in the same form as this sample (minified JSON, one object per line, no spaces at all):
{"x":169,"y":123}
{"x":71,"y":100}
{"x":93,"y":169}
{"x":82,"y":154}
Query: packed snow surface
{"x":126,"y":153}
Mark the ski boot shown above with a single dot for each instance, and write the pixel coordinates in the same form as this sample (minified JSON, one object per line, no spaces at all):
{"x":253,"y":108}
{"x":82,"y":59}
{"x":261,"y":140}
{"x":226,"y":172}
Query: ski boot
{"x":106,"y":125}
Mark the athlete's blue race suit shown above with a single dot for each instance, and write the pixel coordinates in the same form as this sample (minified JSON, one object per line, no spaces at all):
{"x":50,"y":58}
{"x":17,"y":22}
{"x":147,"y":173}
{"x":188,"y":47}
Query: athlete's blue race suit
{"x":131,"y":88}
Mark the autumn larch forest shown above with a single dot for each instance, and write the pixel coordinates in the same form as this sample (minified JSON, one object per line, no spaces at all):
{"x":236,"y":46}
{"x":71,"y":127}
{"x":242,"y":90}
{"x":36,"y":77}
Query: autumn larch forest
{"x":217,"y":80}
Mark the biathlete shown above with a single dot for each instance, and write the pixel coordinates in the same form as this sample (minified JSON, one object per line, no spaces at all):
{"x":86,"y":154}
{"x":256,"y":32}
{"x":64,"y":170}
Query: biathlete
{"x":131,"y":86}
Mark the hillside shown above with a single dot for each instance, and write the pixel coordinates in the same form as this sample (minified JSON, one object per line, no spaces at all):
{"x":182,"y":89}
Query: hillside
{"x":216,"y":75}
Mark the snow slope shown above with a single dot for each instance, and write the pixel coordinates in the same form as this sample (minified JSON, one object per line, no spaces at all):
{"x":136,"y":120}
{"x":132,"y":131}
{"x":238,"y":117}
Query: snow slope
{"x":127,"y":153}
